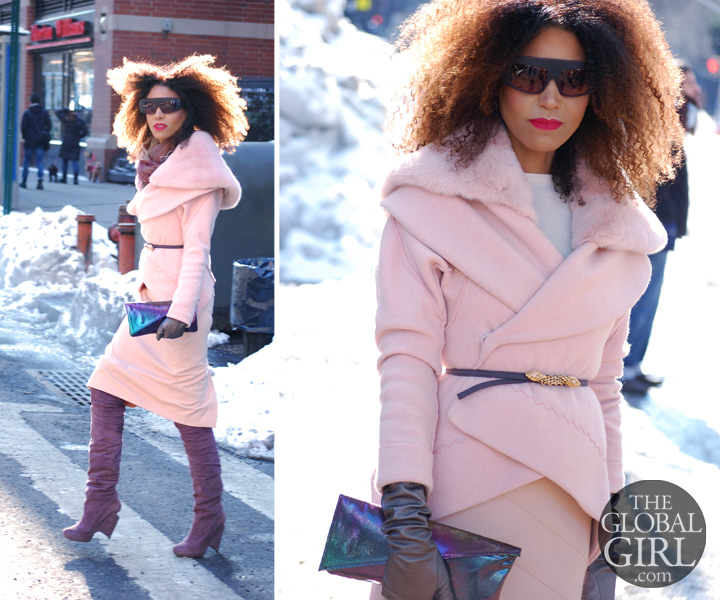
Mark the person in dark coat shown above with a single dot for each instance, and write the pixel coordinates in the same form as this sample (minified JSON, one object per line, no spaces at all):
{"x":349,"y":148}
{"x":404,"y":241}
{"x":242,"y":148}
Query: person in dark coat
{"x":73,"y":129}
{"x":35,"y":128}
{"x":673,"y":200}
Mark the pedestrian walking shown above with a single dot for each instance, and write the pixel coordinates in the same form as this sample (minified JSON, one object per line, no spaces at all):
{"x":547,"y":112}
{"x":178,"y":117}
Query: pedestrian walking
{"x":35,"y":128}
{"x":515,"y":246}
{"x":73,"y":130}
{"x":172,"y":121}
{"x":673,"y":204}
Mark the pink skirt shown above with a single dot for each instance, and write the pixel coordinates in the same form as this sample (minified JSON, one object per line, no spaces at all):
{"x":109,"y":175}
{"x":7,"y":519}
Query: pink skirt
{"x":550,"y":527}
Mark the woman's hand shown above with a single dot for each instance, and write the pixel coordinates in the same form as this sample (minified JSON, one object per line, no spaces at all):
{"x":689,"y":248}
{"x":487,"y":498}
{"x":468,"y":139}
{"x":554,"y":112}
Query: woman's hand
{"x":415,"y":569}
{"x":170,"y":329}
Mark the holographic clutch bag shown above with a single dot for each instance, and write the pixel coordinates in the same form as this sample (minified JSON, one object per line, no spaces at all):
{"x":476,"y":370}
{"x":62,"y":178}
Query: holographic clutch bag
{"x":357,"y":548}
{"x":145,"y":317}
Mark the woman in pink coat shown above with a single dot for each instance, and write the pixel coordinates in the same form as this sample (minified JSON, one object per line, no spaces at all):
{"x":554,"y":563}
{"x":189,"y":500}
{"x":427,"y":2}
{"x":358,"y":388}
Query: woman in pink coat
{"x":173,"y":120}
{"x":532,"y":135}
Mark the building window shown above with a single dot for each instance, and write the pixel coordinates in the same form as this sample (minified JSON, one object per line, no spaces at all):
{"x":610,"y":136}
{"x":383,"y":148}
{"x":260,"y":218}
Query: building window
{"x":46,"y":8}
{"x":67,"y":82}
{"x":259,"y":93}
{"x":6,"y":14}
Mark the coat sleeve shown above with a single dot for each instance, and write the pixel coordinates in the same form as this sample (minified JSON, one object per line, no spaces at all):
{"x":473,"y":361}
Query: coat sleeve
{"x":607,"y":388}
{"x":197,"y":222}
{"x":25,"y":125}
{"x":410,"y":335}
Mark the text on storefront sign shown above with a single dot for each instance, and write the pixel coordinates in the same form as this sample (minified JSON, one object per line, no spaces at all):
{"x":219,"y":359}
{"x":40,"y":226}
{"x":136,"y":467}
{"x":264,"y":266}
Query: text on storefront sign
{"x":63,"y":28}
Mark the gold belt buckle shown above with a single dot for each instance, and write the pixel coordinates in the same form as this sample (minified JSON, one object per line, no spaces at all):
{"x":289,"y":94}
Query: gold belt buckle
{"x":564,"y":380}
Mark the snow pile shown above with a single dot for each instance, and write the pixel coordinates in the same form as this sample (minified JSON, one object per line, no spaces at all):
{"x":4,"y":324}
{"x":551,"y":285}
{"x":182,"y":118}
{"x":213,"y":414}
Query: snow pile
{"x":41,"y":270}
{"x":41,"y":248}
{"x":248,"y":396}
{"x":97,"y":309}
{"x":333,"y":82}
{"x":216,"y":338}
{"x":328,"y":443}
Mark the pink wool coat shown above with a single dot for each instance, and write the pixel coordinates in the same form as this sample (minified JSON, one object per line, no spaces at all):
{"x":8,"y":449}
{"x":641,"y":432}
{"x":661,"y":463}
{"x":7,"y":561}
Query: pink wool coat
{"x":466,"y":279}
{"x":178,"y":206}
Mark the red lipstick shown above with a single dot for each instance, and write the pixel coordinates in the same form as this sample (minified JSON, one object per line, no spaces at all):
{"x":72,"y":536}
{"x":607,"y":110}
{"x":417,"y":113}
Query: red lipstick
{"x":546,"y":124}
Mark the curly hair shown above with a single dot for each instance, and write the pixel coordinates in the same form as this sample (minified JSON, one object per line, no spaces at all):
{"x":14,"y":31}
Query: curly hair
{"x":210,"y":96}
{"x":630,"y":134}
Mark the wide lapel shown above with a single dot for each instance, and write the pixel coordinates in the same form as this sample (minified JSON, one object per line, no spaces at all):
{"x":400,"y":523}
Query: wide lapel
{"x":484,"y":243}
{"x":480,"y":218}
{"x":589,"y":289}
{"x":600,"y":280}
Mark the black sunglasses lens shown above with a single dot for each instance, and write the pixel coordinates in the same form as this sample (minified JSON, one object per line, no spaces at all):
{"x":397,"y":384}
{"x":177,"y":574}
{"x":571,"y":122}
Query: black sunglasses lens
{"x":166,"y":105}
{"x":532,"y":79}
{"x":169,"y":105}
{"x":528,"y":78}
{"x":574,"y":82}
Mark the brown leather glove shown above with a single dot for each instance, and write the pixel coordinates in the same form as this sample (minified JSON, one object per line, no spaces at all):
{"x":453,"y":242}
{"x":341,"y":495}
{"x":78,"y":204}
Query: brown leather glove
{"x":415,"y":569}
{"x":170,"y":329}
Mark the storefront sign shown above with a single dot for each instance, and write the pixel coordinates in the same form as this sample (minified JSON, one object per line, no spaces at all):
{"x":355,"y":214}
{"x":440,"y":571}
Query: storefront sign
{"x":64,"y":28}
{"x":39,"y":33}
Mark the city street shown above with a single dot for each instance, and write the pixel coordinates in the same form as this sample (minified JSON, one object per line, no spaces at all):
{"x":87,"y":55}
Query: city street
{"x":44,"y":427}
{"x":44,"y":433}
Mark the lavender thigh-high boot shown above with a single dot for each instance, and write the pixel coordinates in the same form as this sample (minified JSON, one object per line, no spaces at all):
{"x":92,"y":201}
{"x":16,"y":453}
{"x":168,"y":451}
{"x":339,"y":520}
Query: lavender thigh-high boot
{"x":107,"y":418}
{"x":209,"y":520}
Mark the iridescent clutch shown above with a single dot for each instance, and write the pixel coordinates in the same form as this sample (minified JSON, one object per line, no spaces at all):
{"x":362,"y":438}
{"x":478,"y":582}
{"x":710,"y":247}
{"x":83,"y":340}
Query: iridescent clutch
{"x":357,"y":548}
{"x":145,"y":317}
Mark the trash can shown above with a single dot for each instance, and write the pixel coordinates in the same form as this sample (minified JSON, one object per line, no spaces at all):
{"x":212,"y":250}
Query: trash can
{"x":252,"y":304}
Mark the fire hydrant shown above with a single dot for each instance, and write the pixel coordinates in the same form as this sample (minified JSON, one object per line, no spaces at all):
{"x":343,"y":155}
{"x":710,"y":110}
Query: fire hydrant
{"x":126,"y":247}
{"x":123,"y":234}
{"x":84,"y":237}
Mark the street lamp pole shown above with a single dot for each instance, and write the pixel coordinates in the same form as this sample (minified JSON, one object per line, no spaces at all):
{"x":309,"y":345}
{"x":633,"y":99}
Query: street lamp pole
{"x":11,"y":107}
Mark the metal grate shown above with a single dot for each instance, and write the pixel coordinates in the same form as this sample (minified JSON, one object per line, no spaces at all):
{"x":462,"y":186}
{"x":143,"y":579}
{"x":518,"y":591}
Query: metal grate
{"x":66,"y":383}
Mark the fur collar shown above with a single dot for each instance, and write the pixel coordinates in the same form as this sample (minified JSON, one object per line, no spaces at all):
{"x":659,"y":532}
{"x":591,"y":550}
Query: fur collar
{"x":495,"y":177}
{"x":198,"y":165}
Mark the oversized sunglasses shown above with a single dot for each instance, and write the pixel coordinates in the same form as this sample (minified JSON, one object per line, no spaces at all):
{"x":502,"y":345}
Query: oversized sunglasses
{"x":166,"y":105}
{"x":531,"y":75}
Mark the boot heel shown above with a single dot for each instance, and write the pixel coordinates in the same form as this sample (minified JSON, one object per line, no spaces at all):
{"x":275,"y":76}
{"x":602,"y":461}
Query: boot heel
{"x":108,"y":525}
{"x":217,"y":536}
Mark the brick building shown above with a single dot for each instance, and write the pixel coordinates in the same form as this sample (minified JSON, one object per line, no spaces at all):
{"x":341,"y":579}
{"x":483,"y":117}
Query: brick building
{"x":73,"y":43}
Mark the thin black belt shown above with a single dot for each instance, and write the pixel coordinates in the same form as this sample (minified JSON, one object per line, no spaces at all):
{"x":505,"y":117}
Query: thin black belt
{"x":166,"y":246}
{"x":507,"y":377}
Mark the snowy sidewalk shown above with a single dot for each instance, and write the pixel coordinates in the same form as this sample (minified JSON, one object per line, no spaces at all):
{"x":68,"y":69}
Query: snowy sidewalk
{"x":99,"y":199}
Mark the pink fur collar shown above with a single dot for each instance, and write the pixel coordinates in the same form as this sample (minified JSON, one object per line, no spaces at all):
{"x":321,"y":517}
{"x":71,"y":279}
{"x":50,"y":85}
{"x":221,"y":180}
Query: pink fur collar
{"x":198,"y":165}
{"x":495,"y":177}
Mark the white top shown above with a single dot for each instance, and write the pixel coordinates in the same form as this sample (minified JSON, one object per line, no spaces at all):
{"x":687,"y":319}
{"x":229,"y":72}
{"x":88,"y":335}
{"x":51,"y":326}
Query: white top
{"x":553,"y":212}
